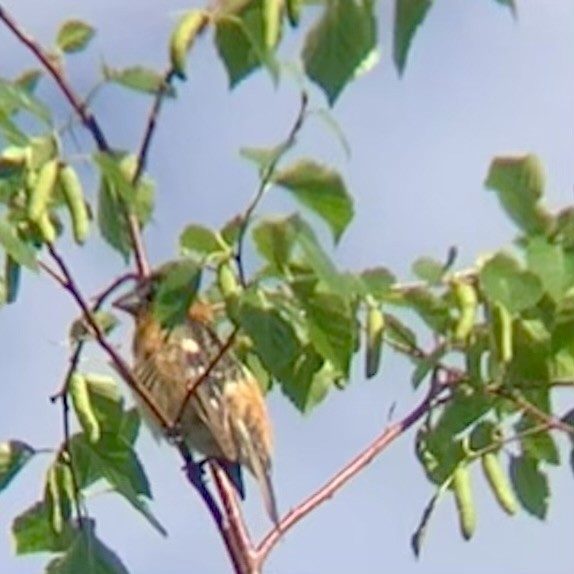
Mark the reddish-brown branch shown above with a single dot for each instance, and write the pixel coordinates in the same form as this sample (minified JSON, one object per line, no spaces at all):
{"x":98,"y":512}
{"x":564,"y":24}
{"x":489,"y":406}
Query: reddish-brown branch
{"x":343,"y":476}
{"x":88,"y":119}
{"x":243,"y":554}
{"x":85,"y":115}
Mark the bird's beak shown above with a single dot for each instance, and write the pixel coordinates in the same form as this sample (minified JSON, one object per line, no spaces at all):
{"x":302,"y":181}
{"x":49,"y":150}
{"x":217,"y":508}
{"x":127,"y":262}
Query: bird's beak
{"x":130,"y":302}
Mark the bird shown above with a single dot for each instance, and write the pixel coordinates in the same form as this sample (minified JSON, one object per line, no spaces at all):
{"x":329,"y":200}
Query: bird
{"x":225,"y":416}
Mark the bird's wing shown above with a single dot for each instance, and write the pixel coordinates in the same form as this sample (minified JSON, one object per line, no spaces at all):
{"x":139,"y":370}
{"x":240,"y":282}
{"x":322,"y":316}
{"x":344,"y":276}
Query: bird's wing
{"x":188,"y":354}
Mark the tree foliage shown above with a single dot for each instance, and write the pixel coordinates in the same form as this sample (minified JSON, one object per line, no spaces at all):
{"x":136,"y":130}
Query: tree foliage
{"x":503,"y":328}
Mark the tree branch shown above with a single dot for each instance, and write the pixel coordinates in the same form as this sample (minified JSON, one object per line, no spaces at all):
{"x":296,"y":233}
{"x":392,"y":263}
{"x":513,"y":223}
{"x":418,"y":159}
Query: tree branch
{"x":266,"y":177}
{"x":332,"y":486}
{"x":90,"y":122}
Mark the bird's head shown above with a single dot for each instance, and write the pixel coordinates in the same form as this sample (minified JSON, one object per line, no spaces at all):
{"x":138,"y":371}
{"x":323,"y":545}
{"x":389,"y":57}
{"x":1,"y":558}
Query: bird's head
{"x":140,"y":298}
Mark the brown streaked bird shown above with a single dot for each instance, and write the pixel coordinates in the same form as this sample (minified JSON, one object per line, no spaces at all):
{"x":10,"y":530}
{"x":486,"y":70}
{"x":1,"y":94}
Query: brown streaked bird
{"x":226,"y":416}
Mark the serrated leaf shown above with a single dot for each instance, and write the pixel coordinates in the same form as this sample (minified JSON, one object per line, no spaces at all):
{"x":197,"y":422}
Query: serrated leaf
{"x":200,"y":240}
{"x":274,"y":241}
{"x":539,"y":446}
{"x":519,"y":184}
{"x":14,"y":455}
{"x":117,"y":195}
{"x":262,"y":157}
{"x":548,"y":262}
{"x":20,"y":251}
{"x":308,"y":383}
{"x":28,"y":80}
{"x":409,"y":15}
{"x":429,"y":270}
{"x":322,"y":190}
{"x":399,"y":333}
{"x":461,"y":412}
{"x":231,"y":230}
{"x":336,"y":46}
{"x":378,"y":281}
{"x":275,"y":340}
{"x":313,"y":254}
{"x":332,"y":328}
{"x":87,"y":553}
{"x":176,"y":292}
{"x":15,"y":98}
{"x":503,"y":281}
{"x":114,"y":460}
{"x":530,"y":485}
{"x":32,"y":531}
{"x":433,"y":310}
{"x":241,"y":43}
{"x":74,"y":36}
{"x":140,"y":79}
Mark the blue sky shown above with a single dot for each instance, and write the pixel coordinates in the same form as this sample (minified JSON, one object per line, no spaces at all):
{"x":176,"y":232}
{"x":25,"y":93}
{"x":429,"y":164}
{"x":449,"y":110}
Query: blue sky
{"x":477,"y":84}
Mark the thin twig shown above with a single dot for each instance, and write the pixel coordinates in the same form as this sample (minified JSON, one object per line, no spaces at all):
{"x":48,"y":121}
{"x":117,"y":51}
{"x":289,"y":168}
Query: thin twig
{"x":89,"y":121}
{"x":535,"y":412}
{"x":242,"y":544}
{"x":266,"y":177}
{"x":343,"y":476}
{"x":194,"y":473}
{"x":55,"y":71}
{"x":151,"y":124}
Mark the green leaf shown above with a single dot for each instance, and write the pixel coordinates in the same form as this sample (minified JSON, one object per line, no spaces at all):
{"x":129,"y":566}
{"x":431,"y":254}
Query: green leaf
{"x":32,"y":531}
{"x":140,"y":79}
{"x":88,"y":554}
{"x":427,"y":364}
{"x":74,"y":36}
{"x":409,"y":15}
{"x":117,"y":195}
{"x":28,"y":80}
{"x":329,"y":120}
{"x":241,"y":43}
{"x":532,"y":356}
{"x":20,"y":251}
{"x":548,"y":262}
{"x":519,"y":184}
{"x":113,"y":459}
{"x":461,"y":412}
{"x":503,"y":281}
{"x":231,"y":230}
{"x":15,"y":98}
{"x":200,"y":240}
{"x":106,"y":400}
{"x":433,"y":310}
{"x":378,"y":281}
{"x":14,"y":455}
{"x":540,"y":446}
{"x":313,"y":254}
{"x":338,"y":44}
{"x":332,"y":328}
{"x":262,"y":157}
{"x":275,"y":340}
{"x":309,"y":381}
{"x":176,"y":292}
{"x":274,"y":241}
{"x":530,"y":485}
{"x":429,"y":270}
{"x":322,"y":190}
{"x":398,"y":333}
